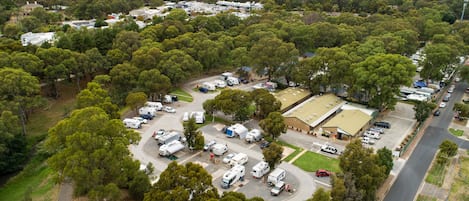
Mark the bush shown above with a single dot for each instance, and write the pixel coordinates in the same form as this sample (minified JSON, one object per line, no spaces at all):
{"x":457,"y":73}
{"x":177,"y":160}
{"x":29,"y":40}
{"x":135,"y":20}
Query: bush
{"x":449,"y":148}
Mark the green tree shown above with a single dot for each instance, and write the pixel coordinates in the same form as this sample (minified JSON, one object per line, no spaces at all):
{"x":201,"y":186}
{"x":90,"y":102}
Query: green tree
{"x":449,"y":148}
{"x":13,"y":145}
{"x":139,"y":185}
{"x":320,"y":195}
{"x":272,"y":54}
{"x":178,"y":66}
{"x":199,"y":142}
{"x":464,"y":72}
{"x":22,"y":90}
{"x":210,"y":107}
{"x":233,"y":102}
{"x":191,"y":132}
{"x":124,"y":78}
{"x":95,"y":95}
{"x":462,"y":109}
{"x":91,"y":149}
{"x":438,"y":58}
{"x":380,"y":76}
{"x":265,"y":102}
{"x":338,"y":189}
{"x":423,"y":110}
{"x":273,"y":154}
{"x":127,"y":42}
{"x":153,"y":83}
{"x":177,"y":15}
{"x":28,"y":62}
{"x":385,"y":159}
{"x":178,"y":182}
{"x":136,"y":100}
{"x":273,"y":124}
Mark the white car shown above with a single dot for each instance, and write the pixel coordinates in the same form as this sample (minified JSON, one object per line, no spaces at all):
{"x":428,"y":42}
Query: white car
{"x":142,"y":120}
{"x":367,"y":140}
{"x":169,"y":109}
{"x":442,"y":105}
{"x":228,"y":157}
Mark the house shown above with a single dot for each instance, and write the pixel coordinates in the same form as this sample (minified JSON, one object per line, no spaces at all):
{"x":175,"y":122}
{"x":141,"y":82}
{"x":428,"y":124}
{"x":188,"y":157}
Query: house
{"x":37,"y":38}
{"x":308,"y":115}
{"x":347,"y":124}
{"x":290,"y":97}
{"x":28,"y":8}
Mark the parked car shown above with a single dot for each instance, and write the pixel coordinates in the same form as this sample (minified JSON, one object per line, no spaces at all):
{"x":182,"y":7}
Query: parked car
{"x":228,"y":158}
{"x":169,"y":109}
{"x":278,"y":188}
{"x":264,"y":144}
{"x":322,"y":173}
{"x":382,"y":124}
{"x":142,"y":120}
{"x":329,"y":149}
{"x":376,"y":129}
{"x":367,"y":140}
{"x":436,"y":113}
{"x":208,"y":146}
{"x":147,"y":116}
{"x":442,"y":105}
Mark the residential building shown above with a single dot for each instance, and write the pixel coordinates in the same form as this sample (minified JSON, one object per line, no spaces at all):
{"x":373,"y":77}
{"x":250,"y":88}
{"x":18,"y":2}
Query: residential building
{"x":37,"y":38}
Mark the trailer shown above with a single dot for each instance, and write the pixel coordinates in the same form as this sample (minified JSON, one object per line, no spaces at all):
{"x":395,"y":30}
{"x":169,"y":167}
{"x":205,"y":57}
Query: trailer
{"x":169,"y":137}
{"x":237,"y":130}
{"x":171,"y":148}
{"x":239,"y":159}
{"x":254,"y":135}
{"x":233,"y":175}
{"x":157,"y":105}
{"x":147,"y":110}
{"x":198,"y":116}
{"x":260,"y":169}
{"x":219,"y":149}
{"x":209,"y":86}
{"x":132,"y":123}
{"x":276,"y":176}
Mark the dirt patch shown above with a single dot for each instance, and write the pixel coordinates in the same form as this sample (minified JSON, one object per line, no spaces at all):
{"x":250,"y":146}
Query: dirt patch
{"x":287,"y":151}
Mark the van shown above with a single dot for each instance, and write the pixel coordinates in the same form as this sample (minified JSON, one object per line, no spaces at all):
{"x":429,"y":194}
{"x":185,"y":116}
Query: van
{"x":276,"y":176}
{"x":382,"y":124}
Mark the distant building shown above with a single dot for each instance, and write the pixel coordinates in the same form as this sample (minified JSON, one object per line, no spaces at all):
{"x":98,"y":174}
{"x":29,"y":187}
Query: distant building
{"x":26,"y":9}
{"x":37,"y":38}
{"x":291,"y":97}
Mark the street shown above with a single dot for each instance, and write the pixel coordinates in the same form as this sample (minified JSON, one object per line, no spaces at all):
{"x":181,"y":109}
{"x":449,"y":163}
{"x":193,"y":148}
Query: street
{"x":412,"y":174}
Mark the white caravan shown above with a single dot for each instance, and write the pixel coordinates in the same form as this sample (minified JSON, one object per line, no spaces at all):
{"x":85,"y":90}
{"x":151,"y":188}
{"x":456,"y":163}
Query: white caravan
{"x":157,"y":105}
{"x":132,"y":123}
{"x":171,"y":148}
{"x":232,"y":176}
{"x":239,"y":159}
{"x":276,"y":176}
{"x":147,"y":110}
{"x":260,"y":169}
{"x":219,"y":149}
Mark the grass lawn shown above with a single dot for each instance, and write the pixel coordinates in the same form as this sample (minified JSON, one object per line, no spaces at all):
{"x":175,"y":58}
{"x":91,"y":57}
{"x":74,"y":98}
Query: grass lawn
{"x":437,"y":173}
{"x":311,"y":162}
{"x":182,"y":95}
{"x":456,"y":132}
{"x":292,"y":155}
{"x":460,"y":186}
{"x":425,"y":198}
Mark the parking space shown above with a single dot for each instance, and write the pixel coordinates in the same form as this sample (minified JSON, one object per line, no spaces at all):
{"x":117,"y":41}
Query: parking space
{"x":402,"y":122}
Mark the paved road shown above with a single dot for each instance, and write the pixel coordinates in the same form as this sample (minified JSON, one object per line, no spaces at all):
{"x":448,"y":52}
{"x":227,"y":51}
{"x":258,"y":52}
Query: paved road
{"x":412,"y":174}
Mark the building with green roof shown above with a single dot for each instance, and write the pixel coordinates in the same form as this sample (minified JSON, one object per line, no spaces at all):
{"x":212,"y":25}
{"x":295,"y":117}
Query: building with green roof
{"x":292,"y":96}
{"x":347,"y":123}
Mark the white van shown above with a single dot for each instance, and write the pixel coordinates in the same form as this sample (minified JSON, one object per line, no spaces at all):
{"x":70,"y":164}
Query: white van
{"x":132,"y":123}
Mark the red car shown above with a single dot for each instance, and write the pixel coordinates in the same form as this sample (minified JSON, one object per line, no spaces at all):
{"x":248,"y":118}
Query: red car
{"x":322,"y":173}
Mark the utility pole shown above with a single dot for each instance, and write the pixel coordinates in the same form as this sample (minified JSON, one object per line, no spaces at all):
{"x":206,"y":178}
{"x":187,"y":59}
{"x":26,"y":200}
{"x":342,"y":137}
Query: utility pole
{"x":464,"y":9}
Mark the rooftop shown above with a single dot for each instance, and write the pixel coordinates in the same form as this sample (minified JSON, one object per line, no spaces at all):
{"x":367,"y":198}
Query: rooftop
{"x":350,"y":121}
{"x":316,"y":109}
{"x":290,"y":96}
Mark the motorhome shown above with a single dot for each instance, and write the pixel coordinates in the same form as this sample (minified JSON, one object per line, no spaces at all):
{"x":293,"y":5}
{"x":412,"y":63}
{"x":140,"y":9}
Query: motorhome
{"x":260,"y":169}
{"x":232,"y":81}
{"x":233,"y":175}
{"x":169,"y":137}
{"x":132,"y":123}
{"x":198,"y":116}
{"x":239,"y":159}
{"x":209,"y":86}
{"x":219,"y":149}
{"x":157,"y":105}
{"x":171,"y":148}
{"x":225,"y":76}
{"x":254,"y":135}
{"x":147,"y":110}
{"x":427,"y":90}
{"x":276,"y":176}
{"x":237,"y":130}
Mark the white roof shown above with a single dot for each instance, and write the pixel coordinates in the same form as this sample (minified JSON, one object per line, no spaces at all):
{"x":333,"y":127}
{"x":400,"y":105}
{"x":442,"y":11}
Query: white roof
{"x":238,"y":128}
{"x":36,"y":38}
{"x":351,"y":106}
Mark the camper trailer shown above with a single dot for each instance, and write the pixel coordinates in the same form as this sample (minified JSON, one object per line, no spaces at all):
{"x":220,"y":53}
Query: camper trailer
{"x":219,"y":149}
{"x":260,"y":169}
{"x":225,"y":76}
{"x":156,"y":105}
{"x":219,"y":83}
{"x":239,"y":159}
{"x":237,"y":130}
{"x":209,"y":86}
{"x":169,"y":137}
{"x":171,"y":148}
{"x":198,"y":116}
{"x":276,"y":176}
{"x":147,"y":110}
{"x":254,"y":135}
{"x":132,"y":123}
{"x":233,"y":175}
{"x":232,"y":81}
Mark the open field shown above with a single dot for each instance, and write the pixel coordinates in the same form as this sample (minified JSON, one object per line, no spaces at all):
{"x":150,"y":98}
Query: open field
{"x":460,"y":186}
{"x":311,"y":162}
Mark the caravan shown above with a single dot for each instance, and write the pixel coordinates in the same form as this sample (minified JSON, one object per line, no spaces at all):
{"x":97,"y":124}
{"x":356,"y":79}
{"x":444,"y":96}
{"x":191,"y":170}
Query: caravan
{"x":233,"y":175}
{"x":237,"y":130}
{"x":156,"y":105}
{"x":132,"y":123}
{"x":198,"y":116}
{"x":276,"y":176}
{"x":239,"y":159}
{"x":209,"y":86}
{"x":147,"y":110}
{"x":171,"y":148}
{"x":169,"y":137}
{"x":260,"y":169}
{"x":254,"y":135}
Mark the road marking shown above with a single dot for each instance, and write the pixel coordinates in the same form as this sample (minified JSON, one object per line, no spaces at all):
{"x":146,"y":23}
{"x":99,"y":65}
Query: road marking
{"x":217,"y":174}
{"x":251,"y":146}
{"x":190,"y":157}
{"x":403,"y":118}
{"x":243,"y":183}
{"x":297,"y":156}
{"x":322,"y":183}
